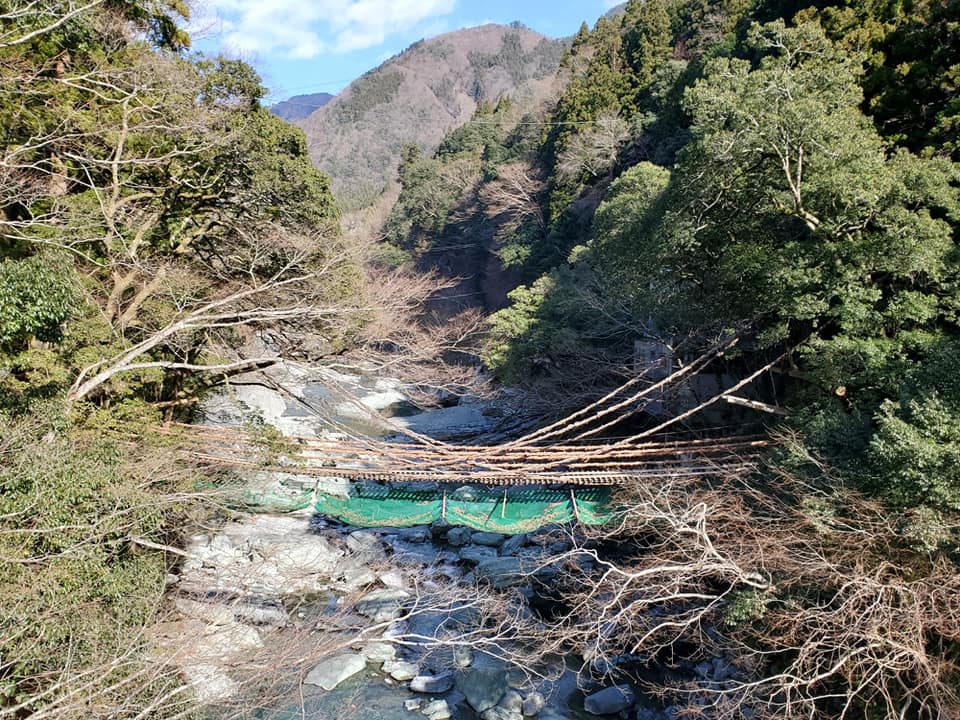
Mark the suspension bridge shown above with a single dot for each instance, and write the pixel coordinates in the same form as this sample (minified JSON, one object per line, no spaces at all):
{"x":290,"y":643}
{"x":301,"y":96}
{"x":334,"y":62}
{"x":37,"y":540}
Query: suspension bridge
{"x":544,"y":469}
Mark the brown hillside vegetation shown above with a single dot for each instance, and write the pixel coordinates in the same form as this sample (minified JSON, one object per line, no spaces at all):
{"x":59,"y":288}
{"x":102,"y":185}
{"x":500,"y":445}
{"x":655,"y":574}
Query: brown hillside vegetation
{"x":419,"y":96}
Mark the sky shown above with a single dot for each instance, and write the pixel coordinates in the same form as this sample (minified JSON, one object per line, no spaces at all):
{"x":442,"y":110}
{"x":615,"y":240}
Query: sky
{"x":310,"y":46}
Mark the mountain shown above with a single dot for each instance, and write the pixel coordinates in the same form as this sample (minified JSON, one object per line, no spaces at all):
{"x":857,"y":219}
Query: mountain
{"x":616,"y":11}
{"x":420,"y":95}
{"x":300,"y":106}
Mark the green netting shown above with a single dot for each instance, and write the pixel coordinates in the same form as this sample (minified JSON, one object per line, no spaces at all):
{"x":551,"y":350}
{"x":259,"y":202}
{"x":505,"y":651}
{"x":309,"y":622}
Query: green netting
{"x":508,"y":512}
{"x":272,"y":501}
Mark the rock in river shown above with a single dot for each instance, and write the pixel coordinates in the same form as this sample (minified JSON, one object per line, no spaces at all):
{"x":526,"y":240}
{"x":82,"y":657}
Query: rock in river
{"x":477,"y":553}
{"x":483,"y":687}
{"x":382,"y":605}
{"x":487,"y":538}
{"x":437,"y":710}
{"x":609,"y":701}
{"x":400,"y":670}
{"x":503,"y":572}
{"x":432,"y":683}
{"x":334,"y":670}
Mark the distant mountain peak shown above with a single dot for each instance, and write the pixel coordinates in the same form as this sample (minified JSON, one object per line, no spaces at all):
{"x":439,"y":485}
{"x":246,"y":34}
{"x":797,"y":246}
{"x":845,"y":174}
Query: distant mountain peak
{"x":419,"y":95}
{"x":300,"y":106}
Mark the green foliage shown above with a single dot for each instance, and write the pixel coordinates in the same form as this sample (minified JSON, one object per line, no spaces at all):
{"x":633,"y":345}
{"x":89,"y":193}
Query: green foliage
{"x":774,"y":202}
{"x":834,"y":251}
{"x":911,"y":56}
{"x":746,"y":606}
{"x":927,"y":530}
{"x":914,"y":94}
{"x":37,"y":295}
{"x":557,"y":326}
{"x":231,"y":83}
{"x":276,"y":180}
{"x":475,"y":136}
{"x":627,"y":216}
{"x":915,"y":453}
{"x":430,"y":189}
{"x":648,"y":41}
{"x":511,"y":57}
{"x":76,"y":587}
{"x":163,"y":183}
{"x":375,"y":88}
{"x":433,"y":187}
{"x":521,"y":65}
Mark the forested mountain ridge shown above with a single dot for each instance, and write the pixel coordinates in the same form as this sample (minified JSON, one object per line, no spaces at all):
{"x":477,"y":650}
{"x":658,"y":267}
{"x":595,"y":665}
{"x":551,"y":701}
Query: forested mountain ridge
{"x":782,"y":171}
{"x":300,"y":106}
{"x":418,"y":96}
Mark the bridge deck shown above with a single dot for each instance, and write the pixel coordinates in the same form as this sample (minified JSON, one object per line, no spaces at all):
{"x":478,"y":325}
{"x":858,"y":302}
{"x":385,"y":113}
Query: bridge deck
{"x":587,"y":465}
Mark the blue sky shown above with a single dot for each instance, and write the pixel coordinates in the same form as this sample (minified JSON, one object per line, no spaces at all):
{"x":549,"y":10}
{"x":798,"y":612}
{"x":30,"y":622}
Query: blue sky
{"x":308,"y":46}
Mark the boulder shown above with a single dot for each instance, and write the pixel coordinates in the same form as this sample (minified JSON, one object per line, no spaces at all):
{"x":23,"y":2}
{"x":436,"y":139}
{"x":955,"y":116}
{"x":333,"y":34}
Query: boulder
{"x":513,"y":544}
{"x":377,"y":653}
{"x":210,"y":683}
{"x":487,"y":538}
{"x":482,"y":687}
{"x":499,"y":713}
{"x":307,"y":556}
{"x":533,"y":703}
{"x":512,"y":701}
{"x":354,"y":574}
{"x":382,"y":605}
{"x":329,"y":673}
{"x":503,"y":572}
{"x":266,"y":614}
{"x":228,"y":642}
{"x":437,"y":710}
{"x":416,"y":534}
{"x":407,"y":554}
{"x":477,"y":553}
{"x":393,"y":579}
{"x":458,"y":536}
{"x":609,"y":701}
{"x":462,"y":656}
{"x":364,"y":541}
{"x":400,"y":670}
{"x":434,"y":684}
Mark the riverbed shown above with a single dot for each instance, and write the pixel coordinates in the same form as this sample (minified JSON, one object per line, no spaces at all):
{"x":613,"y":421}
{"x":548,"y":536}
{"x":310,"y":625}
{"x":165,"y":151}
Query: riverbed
{"x":297,"y":615}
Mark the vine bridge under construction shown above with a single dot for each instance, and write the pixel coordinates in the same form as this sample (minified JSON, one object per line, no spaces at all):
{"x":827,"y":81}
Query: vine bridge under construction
{"x":554,"y":473}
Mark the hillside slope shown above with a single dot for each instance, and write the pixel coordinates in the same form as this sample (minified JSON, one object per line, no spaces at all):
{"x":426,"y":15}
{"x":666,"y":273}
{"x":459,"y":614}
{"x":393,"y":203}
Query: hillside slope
{"x":419,"y":96}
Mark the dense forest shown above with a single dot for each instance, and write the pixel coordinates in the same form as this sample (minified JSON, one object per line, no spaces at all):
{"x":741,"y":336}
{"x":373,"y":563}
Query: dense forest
{"x":783,"y":172}
{"x":153,"y":214}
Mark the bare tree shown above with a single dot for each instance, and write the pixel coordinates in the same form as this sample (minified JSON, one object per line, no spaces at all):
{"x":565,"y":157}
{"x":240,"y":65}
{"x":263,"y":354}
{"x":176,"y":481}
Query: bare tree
{"x":399,"y":339}
{"x":516,"y":192}
{"x":594,"y":150}
{"x":33,"y":19}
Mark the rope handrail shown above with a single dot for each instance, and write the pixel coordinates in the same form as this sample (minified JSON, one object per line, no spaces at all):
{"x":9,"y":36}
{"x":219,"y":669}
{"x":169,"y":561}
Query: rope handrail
{"x":521,"y":462}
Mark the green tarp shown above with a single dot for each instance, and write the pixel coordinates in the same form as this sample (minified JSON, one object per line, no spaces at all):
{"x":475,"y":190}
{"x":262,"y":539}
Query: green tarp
{"x":502,"y":510}
{"x":509,"y":511}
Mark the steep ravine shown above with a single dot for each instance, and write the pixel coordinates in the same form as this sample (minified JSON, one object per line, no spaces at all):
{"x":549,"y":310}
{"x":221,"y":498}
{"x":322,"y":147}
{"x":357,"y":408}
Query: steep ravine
{"x":300,"y":615}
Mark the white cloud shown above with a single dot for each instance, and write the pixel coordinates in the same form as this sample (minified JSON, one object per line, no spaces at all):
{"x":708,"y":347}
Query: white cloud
{"x":305,"y":28}
{"x":610,"y":4}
